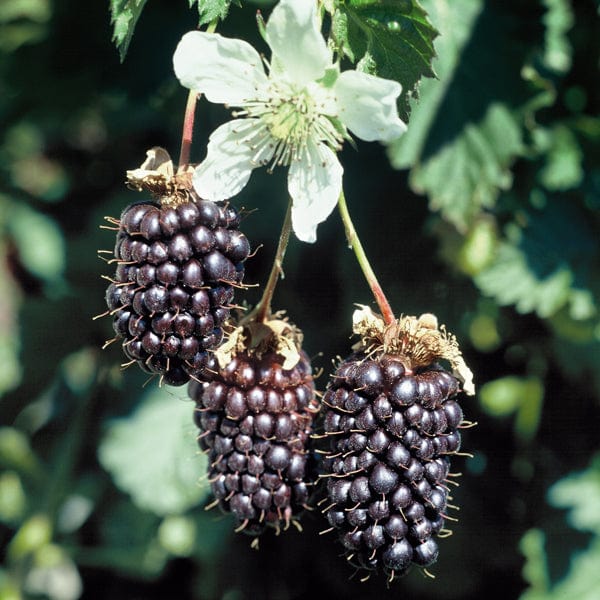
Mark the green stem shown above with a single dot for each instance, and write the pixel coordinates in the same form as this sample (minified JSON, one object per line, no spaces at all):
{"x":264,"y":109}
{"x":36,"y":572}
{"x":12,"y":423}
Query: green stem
{"x":188,"y":118}
{"x":361,"y":257}
{"x":262,"y":311}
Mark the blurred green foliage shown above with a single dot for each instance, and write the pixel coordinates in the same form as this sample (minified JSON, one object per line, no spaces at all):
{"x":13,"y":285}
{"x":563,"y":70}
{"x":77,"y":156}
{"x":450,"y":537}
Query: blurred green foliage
{"x":486,"y":212}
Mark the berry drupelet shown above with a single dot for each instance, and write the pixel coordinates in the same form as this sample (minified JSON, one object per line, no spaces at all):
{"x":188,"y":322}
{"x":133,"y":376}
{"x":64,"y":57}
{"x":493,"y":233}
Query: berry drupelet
{"x":392,"y":420}
{"x":255,"y":407}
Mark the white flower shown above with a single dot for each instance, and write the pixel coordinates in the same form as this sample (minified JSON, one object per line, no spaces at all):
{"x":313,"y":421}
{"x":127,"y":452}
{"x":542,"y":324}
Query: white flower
{"x":297,"y":115}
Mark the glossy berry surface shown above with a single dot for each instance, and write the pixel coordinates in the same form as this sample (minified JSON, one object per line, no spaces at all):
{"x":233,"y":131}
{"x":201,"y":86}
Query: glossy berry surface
{"x":390,"y":434}
{"x":174,"y":283}
{"x":255,"y":420}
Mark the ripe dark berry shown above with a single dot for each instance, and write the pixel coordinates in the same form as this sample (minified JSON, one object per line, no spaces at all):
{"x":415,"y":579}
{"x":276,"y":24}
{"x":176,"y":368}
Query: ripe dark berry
{"x":264,"y":413}
{"x":391,"y":419}
{"x":174,"y":283}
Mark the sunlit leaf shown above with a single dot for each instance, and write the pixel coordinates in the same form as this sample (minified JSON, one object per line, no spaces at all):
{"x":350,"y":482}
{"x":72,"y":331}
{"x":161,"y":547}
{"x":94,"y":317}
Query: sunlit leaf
{"x":10,"y":340}
{"x":455,"y":22}
{"x":563,"y":169}
{"x":467,"y":130}
{"x":580,"y":493}
{"x":39,"y":241}
{"x":13,"y":501}
{"x":468,"y":174}
{"x":124,"y":18}
{"x":501,"y":397}
{"x":389,"y":38}
{"x":53,"y":574}
{"x":558,"y":21}
{"x":23,"y":22}
{"x":542,"y":265}
{"x":535,"y":569}
{"x":152,"y":454}
{"x":210,"y":10}
{"x":177,"y":534}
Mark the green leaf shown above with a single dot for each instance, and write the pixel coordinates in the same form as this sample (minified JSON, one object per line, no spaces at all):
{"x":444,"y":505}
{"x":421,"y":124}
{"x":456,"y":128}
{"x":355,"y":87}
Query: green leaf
{"x":455,"y":22}
{"x":466,"y":131}
{"x":390,"y":38}
{"x":210,"y":10}
{"x":521,"y":395}
{"x":23,"y":22}
{"x":124,"y":18}
{"x":558,"y":20}
{"x":563,"y":169}
{"x":468,"y":173}
{"x":153,"y":456}
{"x":580,"y":493}
{"x":535,"y":570}
{"x":40,"y":242}
{"x":501,"y":397}
{"x":511,"y":280}
{"x":543,"y":266}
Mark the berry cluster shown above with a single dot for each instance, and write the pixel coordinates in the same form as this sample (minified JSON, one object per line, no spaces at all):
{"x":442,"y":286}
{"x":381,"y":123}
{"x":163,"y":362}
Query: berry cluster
{"x":174,"y":283}
{"x":389,"y":415}
{"x":255,"y":418}
{"x":391,"y":433}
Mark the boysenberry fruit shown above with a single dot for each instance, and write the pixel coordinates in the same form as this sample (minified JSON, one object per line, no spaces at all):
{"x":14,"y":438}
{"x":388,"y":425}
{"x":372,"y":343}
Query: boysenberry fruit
{"x":256,"y":403}
{"x":391,"y":420}
{"x":178,"y":260}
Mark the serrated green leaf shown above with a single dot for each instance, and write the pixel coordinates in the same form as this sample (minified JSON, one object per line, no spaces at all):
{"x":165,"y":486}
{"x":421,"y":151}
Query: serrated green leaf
{"x":545,"y":265}
{"x":467,"y":129}
{"x":210,"y":10}
{"x":152,"y":454}
{"x":468,"y":173}
{"x":124,"y":18}
{"x":511,"y":280}
{"x":455,"y":22}
{"x":392,"y":39}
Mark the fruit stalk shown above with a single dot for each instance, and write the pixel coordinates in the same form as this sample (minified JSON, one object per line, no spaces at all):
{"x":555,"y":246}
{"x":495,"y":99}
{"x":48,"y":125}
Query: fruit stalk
{"x":188,"y":118}
{"x":355,"y":244}
{"x":262,"y":311}
{"x":188,"y":129}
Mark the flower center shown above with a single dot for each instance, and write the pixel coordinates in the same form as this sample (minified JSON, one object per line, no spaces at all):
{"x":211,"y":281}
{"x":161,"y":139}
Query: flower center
{"x":286,"y":123}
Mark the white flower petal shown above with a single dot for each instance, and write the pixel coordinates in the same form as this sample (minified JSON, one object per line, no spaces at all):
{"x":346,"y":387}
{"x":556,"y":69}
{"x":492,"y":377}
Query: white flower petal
{"x":230,"y":160}
{"x":315,"y":184}
{"x":367,"y":106}
{"x":226,"y":71}
{"x":295,"y":38}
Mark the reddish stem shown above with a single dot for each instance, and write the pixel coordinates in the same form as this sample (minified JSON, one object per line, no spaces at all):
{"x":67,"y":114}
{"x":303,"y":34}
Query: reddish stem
{"x":363,"y":261}
{"x":188,"y":130}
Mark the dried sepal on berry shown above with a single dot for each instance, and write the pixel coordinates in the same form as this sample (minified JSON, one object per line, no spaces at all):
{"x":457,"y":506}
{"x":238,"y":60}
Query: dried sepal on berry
{"x":276,"y":335}
{"x":255,"y":407}
{"x":419,"y":341}
{"x":157,"y":176}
